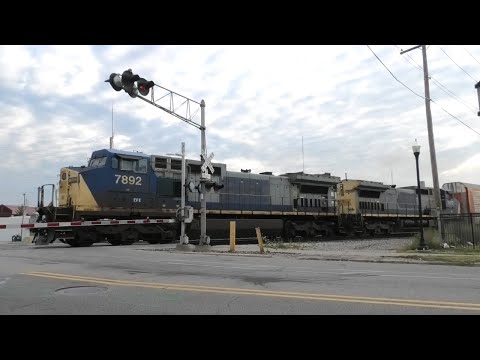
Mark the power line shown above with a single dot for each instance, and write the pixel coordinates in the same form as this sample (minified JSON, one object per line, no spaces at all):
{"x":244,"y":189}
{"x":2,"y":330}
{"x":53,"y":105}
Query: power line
{"x":440,"y":85}
{"x":459,"y":99}
{"x":420,"y":95}
{"x":418,"y":66}
{"x":458,"y":65}
{"x":394,"y":75}
{"x":455,"y":117}
{"x":472,"y":56}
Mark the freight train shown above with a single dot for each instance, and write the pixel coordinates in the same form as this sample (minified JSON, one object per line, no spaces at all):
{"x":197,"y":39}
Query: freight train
{"x":467,"y":196}
{"x":122,"y":186}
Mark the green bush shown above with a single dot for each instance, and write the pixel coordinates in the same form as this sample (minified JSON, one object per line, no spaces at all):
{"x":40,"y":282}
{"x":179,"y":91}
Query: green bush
{"x":431,"y":238}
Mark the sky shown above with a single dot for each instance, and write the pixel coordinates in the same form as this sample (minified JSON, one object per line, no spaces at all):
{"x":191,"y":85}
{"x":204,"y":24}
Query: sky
{"x":311,"y":108}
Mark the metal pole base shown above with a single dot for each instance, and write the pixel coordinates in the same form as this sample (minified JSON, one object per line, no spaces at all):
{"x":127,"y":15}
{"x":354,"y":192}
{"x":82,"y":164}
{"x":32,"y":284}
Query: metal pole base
{"x":204,"y":244}
{"x":184,"y":239}
{"x":205,"y":240}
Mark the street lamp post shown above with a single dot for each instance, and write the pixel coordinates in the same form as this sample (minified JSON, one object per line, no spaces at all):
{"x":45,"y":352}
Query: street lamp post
{"x":23,"y":217}
{"x":477,"y":86}
{"x":416,"y":152}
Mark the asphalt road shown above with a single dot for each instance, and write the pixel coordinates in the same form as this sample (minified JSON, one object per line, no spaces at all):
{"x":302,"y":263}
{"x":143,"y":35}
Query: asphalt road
{"x":103,"y":279}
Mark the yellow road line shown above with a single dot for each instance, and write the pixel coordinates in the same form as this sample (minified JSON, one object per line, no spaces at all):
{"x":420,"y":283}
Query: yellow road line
{"x":267,"y":293}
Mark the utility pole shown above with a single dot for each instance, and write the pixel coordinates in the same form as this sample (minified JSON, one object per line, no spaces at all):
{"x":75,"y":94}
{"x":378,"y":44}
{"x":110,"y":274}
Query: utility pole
{"x":183,"y":237}
{"x":204,"y":239}
{"x":431,"y":141}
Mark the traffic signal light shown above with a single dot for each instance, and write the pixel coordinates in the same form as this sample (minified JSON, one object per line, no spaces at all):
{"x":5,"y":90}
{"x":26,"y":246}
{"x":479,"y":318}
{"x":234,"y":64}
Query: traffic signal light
{"x":116,"y":81}
{"x":144,"y":86}
{"x":131,"y":83}
{"x":128,"y":79}
{"x":128,"y":82}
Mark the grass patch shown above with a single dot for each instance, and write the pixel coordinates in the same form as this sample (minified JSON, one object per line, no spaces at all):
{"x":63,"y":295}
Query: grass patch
{"x":431,"y":239}
{"x":434,"y":243}
{"x":459,"y":255}
{"x":461,"y":251}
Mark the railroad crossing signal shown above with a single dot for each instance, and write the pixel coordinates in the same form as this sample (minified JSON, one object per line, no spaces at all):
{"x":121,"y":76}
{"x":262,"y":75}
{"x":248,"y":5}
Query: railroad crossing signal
{"x":140,"y":86}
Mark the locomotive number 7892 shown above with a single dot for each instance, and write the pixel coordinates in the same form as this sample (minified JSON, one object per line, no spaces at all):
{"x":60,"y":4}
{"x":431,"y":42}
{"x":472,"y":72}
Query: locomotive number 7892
{"x":128,"y":180}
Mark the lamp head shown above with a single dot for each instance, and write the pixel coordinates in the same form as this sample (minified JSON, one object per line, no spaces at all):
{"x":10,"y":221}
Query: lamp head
{"x":416,"y":148}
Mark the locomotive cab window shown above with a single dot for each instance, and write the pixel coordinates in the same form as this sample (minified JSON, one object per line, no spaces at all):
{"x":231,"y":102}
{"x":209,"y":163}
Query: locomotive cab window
{"x":98,"y":162}
{"x":141,"y":166}
{"x":176,"y":164}
{"x":135,"y":165}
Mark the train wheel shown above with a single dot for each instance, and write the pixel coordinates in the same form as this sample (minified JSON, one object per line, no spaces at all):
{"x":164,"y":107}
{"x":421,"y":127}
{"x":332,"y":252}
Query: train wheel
{"x":129,"y":237}
{"x":158,"y":238}
{"x":376,"y":231}
{"x":81,"y":239}
{"x":77,"y":243}
{"x":114,"y":239}
{"x":289,"y":232}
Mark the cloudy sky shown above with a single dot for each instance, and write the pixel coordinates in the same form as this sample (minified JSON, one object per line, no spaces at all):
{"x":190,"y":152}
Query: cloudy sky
{"x":353,"y":115}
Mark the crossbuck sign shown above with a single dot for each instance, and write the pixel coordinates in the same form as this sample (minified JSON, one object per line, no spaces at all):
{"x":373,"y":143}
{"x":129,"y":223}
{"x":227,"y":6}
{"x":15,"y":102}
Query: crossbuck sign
{"x":207,"y":163}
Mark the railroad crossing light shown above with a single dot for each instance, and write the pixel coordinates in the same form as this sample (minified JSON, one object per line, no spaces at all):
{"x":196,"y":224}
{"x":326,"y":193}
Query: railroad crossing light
{"x":144,"y":86}
{"x":213,"y":185}
{"x":191,"y":186}
{"x":209,"y":185}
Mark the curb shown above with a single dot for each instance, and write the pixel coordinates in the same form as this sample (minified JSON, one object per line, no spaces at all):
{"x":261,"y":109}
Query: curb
{"x":382,"y":259}
{"x":213,"y":252}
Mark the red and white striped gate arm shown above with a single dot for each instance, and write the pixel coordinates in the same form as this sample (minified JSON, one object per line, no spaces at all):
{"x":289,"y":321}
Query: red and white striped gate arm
{"x":86,"y":223}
